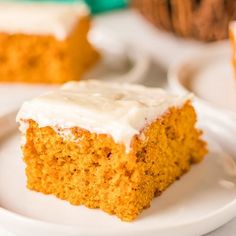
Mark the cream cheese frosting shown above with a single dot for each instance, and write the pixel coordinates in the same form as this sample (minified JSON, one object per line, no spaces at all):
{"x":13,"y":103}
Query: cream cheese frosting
{"x":119,"y":110}
{"x":41,"y":19}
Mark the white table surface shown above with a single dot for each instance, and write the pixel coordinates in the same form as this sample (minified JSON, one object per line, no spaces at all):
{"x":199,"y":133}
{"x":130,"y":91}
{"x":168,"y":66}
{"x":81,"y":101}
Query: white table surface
{"x":163,"y":48}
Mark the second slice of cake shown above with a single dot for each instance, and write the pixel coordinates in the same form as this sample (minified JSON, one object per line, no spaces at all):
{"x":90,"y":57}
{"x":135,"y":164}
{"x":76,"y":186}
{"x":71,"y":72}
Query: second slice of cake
{"x":44,"y":42}
{"x":109,"y":146}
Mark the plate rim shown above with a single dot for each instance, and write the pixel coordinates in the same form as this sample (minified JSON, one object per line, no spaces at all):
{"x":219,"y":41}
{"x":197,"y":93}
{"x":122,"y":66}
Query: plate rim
{"x":219,"y":48}
{"x":216,"y":213}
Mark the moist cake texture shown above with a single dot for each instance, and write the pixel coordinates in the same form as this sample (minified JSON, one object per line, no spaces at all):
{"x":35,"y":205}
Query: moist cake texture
{"x":44,"y":43}
{"x":108,"y":146}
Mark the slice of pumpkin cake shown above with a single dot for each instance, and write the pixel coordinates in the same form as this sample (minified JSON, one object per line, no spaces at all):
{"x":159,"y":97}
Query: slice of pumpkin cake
{"x":107,"y":145}
{"x":44,"y":42}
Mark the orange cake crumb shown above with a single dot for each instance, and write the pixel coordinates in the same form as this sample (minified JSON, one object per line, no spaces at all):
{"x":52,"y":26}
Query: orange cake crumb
{"x":232,"y":37}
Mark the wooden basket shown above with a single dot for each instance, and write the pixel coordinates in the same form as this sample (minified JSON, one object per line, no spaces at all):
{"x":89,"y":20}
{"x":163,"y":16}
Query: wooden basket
{"x":205,"y":20}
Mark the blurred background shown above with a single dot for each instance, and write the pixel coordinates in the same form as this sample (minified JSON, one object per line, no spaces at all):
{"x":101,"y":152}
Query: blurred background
{"x":180,"y":45}
{"x":141,"y":40}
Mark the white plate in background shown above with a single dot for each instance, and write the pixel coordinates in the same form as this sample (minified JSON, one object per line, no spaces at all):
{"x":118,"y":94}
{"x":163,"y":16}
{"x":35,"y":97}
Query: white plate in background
{"x":120,"y":62}
{"x":209,"y":75}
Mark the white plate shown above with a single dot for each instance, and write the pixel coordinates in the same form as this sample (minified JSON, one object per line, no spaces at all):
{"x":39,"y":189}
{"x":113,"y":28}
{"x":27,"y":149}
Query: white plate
{"x":120,"y":62}
{"x":194,"y":205}
{"x":209,"y":75}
